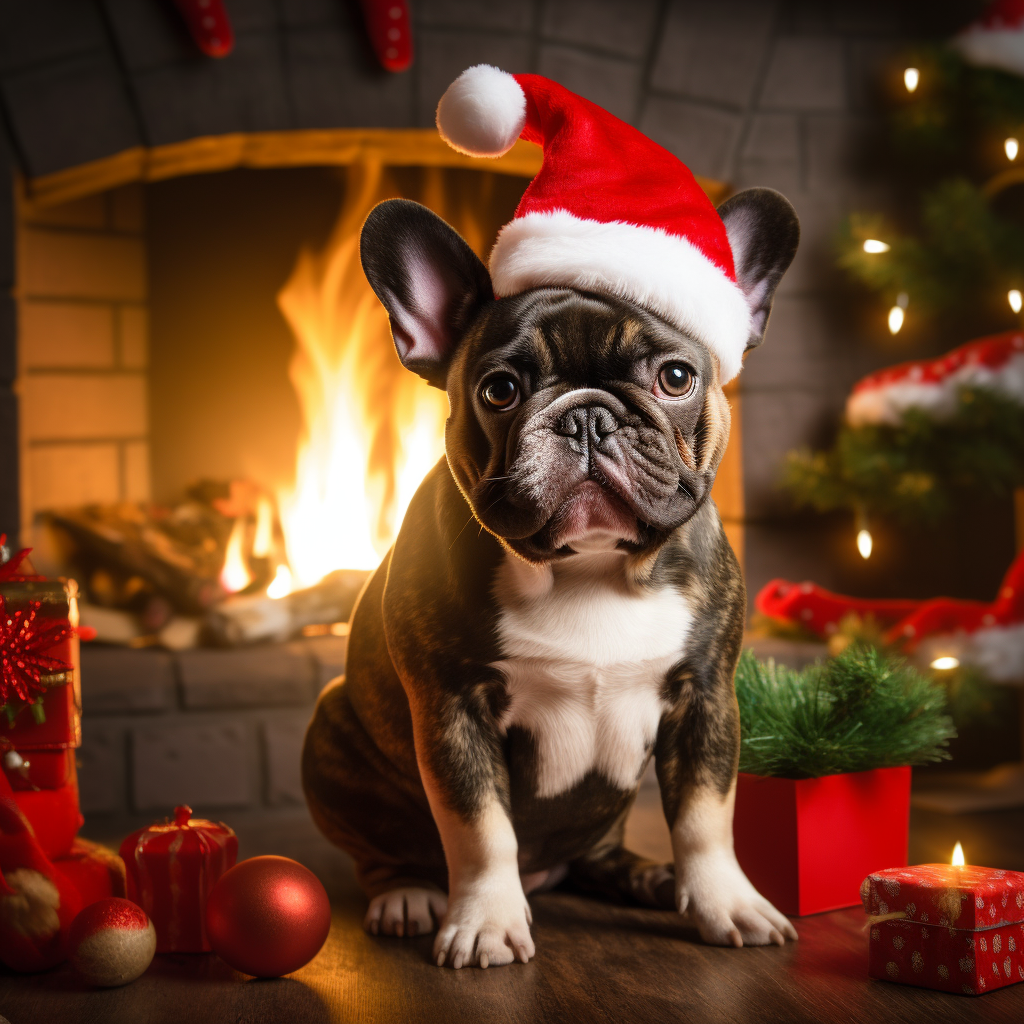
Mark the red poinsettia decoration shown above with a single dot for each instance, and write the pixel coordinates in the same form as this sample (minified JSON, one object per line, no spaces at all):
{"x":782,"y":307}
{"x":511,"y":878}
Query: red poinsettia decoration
{"x":9,"y":569}
{"x":24,"y":639}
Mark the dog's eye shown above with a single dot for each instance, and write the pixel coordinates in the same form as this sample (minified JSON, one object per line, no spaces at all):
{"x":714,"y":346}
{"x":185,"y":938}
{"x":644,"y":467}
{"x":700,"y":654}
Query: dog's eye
{"x":677,"y":380}
{"x":501,"y":392}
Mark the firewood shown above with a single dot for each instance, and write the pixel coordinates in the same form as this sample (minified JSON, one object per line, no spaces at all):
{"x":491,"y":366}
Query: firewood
{"x":249,"y":618}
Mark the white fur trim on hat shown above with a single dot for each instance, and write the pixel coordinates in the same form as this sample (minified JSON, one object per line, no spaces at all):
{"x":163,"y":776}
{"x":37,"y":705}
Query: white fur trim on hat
{"x":482,"y":112}
{"x":664,"y":273}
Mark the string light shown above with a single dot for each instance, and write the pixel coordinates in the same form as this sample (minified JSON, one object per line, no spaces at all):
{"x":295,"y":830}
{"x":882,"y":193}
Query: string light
{"x":873,"y":245}
{"x":946,"y":663}
{"x":864,"y":543}
{"x":910,"y":78}
{"x":896,"y":314}
{"x":1012,"y":147}
{"x":1015,"y":299}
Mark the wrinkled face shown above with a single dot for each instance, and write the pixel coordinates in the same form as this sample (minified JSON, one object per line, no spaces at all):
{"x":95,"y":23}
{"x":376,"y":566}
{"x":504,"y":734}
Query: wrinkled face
{"x":582,"y":422}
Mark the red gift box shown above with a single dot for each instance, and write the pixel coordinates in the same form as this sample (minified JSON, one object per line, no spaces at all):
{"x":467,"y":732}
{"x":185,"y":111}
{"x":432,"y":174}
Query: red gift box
{"x":96,"y":872}
{"x":171,"y":868}
{"x":806,"y":844}
{"x":955,"y":929}
{"x":61,"y":702}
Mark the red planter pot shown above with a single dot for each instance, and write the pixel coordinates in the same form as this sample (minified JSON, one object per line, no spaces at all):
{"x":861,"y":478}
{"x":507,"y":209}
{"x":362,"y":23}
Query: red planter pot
{"x":807,"y":844}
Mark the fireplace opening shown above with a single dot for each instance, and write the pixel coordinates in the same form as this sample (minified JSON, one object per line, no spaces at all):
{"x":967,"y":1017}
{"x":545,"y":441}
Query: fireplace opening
{"x":284,"y":438}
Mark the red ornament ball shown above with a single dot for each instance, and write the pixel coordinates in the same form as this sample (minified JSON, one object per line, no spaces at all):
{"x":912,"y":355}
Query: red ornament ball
{"x":268,"y":916}
{"x":111,"y":942}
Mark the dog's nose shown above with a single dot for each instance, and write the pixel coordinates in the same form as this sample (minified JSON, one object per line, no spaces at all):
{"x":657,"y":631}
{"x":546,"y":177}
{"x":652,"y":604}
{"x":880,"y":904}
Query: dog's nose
{"x":593,"y":422}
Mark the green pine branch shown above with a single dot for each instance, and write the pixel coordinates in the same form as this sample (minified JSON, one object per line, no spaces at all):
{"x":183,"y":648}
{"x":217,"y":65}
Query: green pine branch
{"x":916,"y":471}
{"x":864,"y":709}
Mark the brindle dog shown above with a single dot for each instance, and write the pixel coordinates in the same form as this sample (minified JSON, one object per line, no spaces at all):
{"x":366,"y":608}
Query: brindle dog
{"x":561,"y":602}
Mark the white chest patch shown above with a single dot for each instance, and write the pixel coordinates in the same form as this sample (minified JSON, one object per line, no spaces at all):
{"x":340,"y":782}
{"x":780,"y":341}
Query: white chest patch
{"x":585,"y":659}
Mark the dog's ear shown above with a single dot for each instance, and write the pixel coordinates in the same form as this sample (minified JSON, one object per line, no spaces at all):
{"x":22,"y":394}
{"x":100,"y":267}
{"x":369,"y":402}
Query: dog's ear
{"x":430,"y":282}
{"x":764,"y":232}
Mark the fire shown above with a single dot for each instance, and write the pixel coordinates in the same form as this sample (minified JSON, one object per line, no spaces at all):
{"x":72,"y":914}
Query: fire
{"x":235,"y":575}
{"x":958,"y":856}
{"x":371,"y":429}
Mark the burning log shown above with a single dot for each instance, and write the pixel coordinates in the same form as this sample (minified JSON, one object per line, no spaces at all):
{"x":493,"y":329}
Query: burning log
{"x":248,"y":618}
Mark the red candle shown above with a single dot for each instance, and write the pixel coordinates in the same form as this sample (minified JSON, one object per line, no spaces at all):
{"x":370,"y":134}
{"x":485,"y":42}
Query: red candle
{"x":172,"y":866}
{"x":956,"y":928}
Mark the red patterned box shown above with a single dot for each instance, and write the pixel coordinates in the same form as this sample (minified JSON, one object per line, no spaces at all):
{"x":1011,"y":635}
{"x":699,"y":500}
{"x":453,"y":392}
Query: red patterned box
{"x":956,"y":929}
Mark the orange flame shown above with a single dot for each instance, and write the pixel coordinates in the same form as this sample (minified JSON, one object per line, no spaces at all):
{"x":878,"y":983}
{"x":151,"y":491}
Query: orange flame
{"x":371,"y":429}
{"x":235,"y":575}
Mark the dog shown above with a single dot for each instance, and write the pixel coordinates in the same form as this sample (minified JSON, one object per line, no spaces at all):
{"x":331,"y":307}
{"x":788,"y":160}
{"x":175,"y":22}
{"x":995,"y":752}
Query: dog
{"x":561,"y":604}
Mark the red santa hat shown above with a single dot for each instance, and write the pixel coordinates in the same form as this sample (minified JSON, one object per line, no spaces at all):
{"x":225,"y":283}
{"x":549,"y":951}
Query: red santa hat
{"x":931,"y":385}
{"x":610,"y":211}
{"x":996,"y":39}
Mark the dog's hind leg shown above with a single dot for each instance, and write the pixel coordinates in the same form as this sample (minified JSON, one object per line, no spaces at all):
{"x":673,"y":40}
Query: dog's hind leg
{"x":615,"y":872}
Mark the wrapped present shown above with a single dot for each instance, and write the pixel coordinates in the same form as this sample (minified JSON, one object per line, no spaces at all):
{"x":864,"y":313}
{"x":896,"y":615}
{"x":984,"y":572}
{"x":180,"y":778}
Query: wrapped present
{"x":956,"y":929}
{"x":40,"y":684}
{"x":171,"y":868}
{"x":785,"y":835}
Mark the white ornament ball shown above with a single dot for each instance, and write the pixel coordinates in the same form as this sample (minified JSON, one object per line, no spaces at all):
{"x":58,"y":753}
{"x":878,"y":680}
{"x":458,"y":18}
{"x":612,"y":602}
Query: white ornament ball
{"x":111,"y":942}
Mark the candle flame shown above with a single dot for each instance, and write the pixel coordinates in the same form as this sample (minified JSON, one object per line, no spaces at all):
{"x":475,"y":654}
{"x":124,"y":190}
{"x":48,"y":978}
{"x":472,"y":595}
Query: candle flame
{"x":958,"y":856}
{"x":911,"y":77}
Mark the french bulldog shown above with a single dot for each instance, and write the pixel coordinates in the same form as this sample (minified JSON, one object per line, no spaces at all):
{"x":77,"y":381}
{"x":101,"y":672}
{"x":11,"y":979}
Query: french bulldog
{"x":560,"y":605}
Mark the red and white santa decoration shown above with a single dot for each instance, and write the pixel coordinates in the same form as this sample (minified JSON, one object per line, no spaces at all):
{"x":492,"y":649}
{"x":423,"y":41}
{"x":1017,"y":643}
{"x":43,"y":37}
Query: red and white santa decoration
{"x":996,"y":39}
{"x":610,"y":211}
{"x":986,"y":635}
{"x":932,"y":385}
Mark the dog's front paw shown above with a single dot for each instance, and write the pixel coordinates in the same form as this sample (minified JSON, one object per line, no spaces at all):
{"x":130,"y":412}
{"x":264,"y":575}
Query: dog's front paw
{"x":715,"y":895}
{"x":487,"y":925}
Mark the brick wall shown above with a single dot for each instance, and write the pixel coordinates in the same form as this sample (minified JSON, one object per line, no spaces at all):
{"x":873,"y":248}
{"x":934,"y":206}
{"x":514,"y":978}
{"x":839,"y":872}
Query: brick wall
{"x":219,"y":730}
{"x":81,"y":298}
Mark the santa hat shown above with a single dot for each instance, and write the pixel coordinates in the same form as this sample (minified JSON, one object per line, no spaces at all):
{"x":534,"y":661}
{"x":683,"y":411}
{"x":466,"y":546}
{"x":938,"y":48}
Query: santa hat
{"x":610,"y":211}
{"x":932,"y":385}
{"x":996,"y":39}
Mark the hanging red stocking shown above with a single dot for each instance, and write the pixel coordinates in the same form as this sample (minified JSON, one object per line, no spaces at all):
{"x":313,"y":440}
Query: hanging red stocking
{"x":387,"y":22}
{"x":209,"y":25}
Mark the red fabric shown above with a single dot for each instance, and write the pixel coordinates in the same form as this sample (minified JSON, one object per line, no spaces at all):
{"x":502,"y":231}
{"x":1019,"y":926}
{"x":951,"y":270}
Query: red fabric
{"x":96,"y":872}
{"x":593,"y":164}
{"x":785,"y":835}
{"x":820,"y":611}
{"x":53,"y":815}
{"x":1003,"y":14}
{"x":171,"y":868}
{"x":20,"y":851}
{"x":992,"y":352}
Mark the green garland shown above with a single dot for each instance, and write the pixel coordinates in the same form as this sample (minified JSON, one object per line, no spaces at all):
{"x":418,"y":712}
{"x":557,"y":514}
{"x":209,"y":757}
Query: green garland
{"x":918,"y":470}
{"x":861,"y":710}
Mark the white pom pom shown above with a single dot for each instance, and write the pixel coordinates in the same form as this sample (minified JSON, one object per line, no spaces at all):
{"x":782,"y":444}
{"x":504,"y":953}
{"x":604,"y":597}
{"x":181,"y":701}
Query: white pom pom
{"x":482,"y":112}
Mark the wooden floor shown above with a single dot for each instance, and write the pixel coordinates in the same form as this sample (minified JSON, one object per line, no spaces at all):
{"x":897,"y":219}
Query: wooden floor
{"x":595,"y":963}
